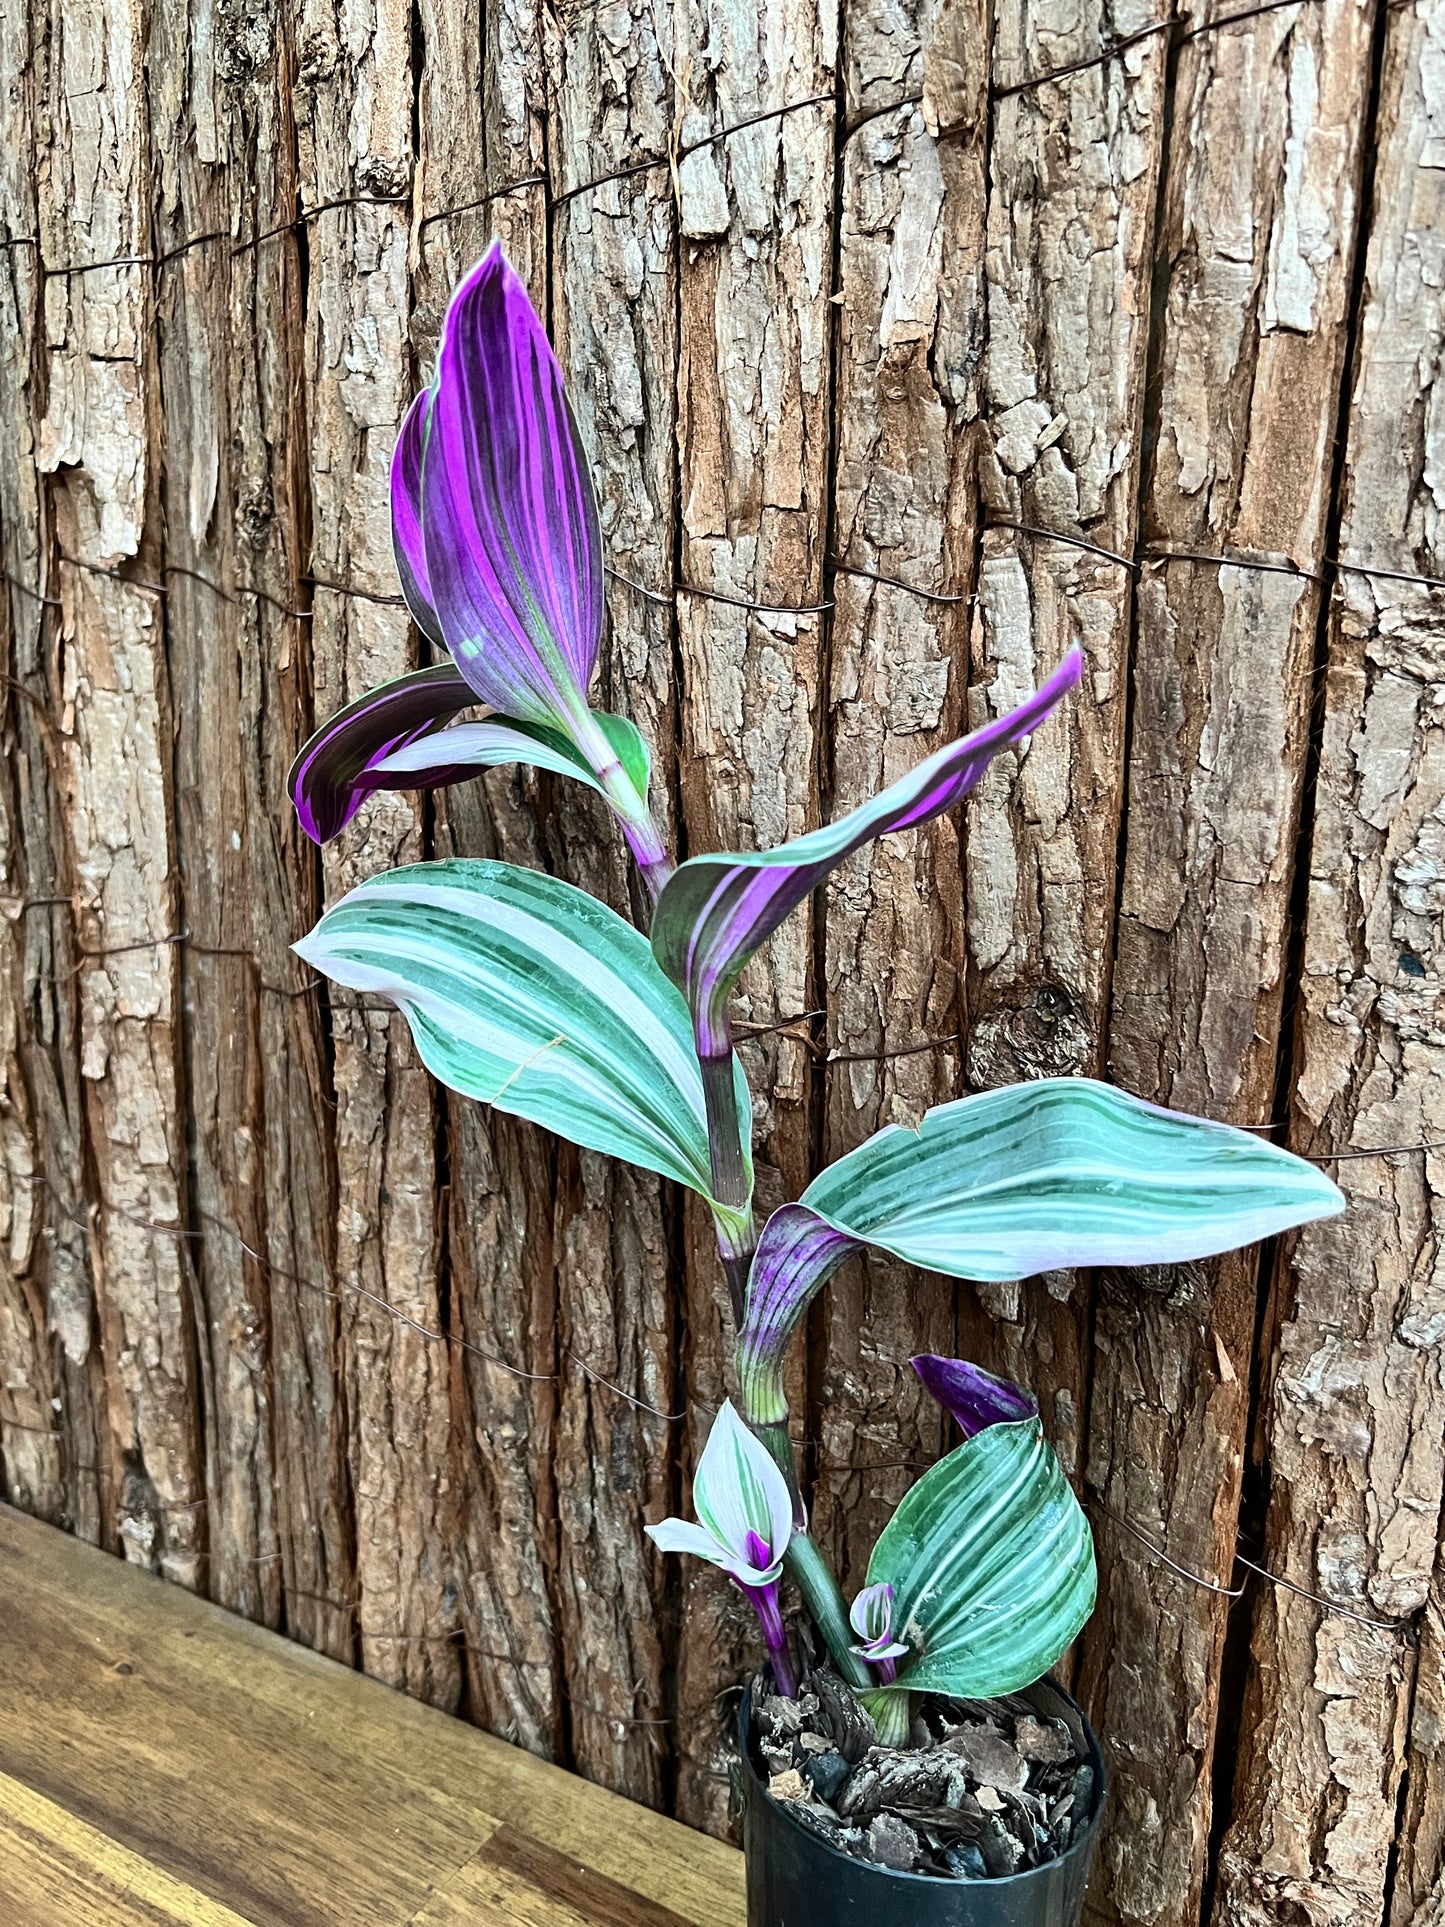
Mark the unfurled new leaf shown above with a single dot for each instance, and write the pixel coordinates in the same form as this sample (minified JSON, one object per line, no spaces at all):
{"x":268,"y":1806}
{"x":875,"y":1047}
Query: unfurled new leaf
{"x":498,"y":552}
{"x":744,"y":1509}
{"x":531,"y":995}
{"x":992,"y":1566}
{"x":513,"y":550}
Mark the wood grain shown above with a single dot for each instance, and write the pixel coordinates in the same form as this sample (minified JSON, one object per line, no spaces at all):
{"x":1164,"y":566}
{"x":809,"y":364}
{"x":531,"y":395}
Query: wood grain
{"x":156,"y":1733}
{"x":1252,"y":294}
{"x":875,"y":326}
{"x":1353,"y":1423}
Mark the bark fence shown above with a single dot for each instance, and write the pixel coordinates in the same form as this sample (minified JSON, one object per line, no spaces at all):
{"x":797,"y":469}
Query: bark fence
{"x":913,"y":341}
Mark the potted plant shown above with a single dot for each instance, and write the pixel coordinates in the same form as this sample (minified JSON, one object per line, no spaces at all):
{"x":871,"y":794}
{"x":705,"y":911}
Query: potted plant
{"x":904,"y":1755}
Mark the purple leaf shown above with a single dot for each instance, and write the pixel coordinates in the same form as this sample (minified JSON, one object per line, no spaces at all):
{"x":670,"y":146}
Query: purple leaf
{"x":406,"y":538}
{"x":513,"y":550}
{"x":336,"y":771}
{"x":716,"y":910}
{"x":974,"y":1398}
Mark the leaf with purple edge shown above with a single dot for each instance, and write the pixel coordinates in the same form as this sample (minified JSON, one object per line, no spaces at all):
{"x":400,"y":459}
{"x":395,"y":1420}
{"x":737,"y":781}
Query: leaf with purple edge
{"x":335,"y":771}
{"x":716,"y":910}
{"x":512,"y":544}
{"x":407,"y":546}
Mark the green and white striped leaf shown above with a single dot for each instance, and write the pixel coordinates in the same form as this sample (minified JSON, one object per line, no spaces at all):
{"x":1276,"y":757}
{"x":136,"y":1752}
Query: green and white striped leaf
{"x":534,"y":997}
{"x":1008,"y":1183}
{"x":1065,"y":1171}
{"x":991,"y":1562}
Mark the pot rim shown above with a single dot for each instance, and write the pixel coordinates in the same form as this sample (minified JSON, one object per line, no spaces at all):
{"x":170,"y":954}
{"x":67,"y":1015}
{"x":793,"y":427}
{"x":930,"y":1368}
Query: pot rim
{"x":1083,"y":1844}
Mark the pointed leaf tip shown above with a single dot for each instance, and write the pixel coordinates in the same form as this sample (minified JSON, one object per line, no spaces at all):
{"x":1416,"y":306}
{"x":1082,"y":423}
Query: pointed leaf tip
{"x":972,"y":1397}
{"x":718,"y":909}
{"x":513,"y":547}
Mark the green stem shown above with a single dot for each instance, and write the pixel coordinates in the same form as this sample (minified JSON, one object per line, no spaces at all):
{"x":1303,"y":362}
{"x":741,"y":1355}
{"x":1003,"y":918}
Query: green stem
{"x":725,"y":1145}
{"x":891,"y":1713}
{"x":824,"y":1600}
{"x":780,"y":1445}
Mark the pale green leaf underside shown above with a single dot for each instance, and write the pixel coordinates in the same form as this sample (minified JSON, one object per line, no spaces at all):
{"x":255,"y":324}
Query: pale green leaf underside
{"x":530,"y":995}
{"x":1064,"y":1171}
{"x":992,"y":1566}
{"x":499,"y":740}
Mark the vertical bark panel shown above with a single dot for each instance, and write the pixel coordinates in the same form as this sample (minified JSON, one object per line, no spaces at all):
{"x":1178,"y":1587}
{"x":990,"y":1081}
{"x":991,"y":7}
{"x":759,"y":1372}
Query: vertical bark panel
{"x":1354,"y":1410}
{"x":1255,"y":251}
{"x":1074,"y":171}
{"x":354,"y":113}
{"x":477,"y":142}
{"x":613,"y":294}
{"x":108,"y":693}
{"x":49,"y":1359}
{"x":755,"y":211}
{"x":910,"y":328}
{"x":254,"y":1059}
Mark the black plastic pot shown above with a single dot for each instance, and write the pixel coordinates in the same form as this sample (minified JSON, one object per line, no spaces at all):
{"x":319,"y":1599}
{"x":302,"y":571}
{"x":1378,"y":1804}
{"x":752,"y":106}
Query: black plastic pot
{"x":796,"y":1879}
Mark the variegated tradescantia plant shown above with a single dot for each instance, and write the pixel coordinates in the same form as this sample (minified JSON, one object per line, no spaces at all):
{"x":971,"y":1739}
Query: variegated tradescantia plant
{"x":534,"y":997}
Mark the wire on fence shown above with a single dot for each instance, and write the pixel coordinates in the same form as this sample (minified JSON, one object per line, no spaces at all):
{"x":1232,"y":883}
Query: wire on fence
{"x":1236,"y":1592}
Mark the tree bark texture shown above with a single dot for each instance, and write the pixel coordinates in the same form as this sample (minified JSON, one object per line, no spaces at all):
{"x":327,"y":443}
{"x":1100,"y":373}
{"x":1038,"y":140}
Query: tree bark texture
{"x":912,"y":342}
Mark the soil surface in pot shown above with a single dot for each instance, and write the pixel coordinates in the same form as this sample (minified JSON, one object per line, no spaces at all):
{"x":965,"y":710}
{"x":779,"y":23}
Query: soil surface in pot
{"x":984,"y":1788}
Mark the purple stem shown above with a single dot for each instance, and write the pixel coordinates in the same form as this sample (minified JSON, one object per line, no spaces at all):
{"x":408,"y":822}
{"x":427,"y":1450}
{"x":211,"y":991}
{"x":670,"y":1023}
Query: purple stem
{"x":770,"y":1618}
{"x":775,"y":1636}
{"x":886,"y":1669}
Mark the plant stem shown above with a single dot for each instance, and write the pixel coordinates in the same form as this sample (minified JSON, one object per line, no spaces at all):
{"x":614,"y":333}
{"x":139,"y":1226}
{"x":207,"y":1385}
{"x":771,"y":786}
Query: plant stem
{"x":891,"y":1713}
{"x":814,"y":1579}
{"x":780,"y":1447}
{"x":775,"y":1637}
{"x":725,"y":1145}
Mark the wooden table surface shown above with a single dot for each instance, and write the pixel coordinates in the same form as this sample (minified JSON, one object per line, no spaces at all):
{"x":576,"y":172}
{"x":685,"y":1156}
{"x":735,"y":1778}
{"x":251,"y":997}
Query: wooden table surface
{"x":163,"y":1762}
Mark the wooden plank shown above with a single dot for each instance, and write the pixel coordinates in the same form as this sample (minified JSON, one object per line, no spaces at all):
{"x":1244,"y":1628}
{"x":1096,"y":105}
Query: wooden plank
{"x":286,"y":1787}
{"x":54,"y":1867}
{"x":1252,"y":292}
{"x":613,"y":302}
{"x":1353,"y":1415}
